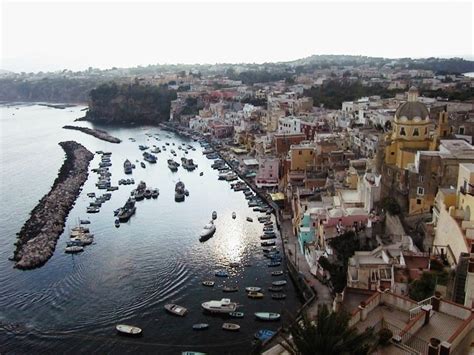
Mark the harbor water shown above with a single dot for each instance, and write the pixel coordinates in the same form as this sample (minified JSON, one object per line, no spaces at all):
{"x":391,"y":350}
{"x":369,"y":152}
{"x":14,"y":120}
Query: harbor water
{"x":73,"y":303}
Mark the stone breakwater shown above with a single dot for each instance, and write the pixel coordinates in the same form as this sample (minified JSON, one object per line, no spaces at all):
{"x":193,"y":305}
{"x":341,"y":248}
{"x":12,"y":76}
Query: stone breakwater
{"x":96,"y":133}
{"x":38,"y":236}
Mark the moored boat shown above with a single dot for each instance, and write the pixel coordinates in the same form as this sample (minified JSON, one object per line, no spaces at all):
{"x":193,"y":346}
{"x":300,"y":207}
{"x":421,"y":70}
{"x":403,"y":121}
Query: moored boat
{"x":230,"y":289}
{"x":74,"y":249}
{"x":214,"y":214}
{"x":175,"y":309}
{"x":128,"y":330}
{"x":264,"y":334}
{"x":275,"y":288}
{"x":278,"y":296}
{"x":234,"y":215}
{"x":249,"y":219}
{"x":277,"y":273}
{"x":236,"y":314}
{"x":255,"y":295}
{"x":279,"y":283}
{"x":230,"y":326}
{"x":221,"y":273}
{"x":267,"y":316}
{"x":207,"y":231}
{"x":222,"y":306}
{"x":200,"y":326}
{"x":253,"y":289}
{"x":208,"y":283}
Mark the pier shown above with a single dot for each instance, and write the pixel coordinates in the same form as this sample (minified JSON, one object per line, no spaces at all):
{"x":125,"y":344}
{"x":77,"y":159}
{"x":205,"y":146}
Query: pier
{"x":38,"y":236}
{"x":103,"y":135}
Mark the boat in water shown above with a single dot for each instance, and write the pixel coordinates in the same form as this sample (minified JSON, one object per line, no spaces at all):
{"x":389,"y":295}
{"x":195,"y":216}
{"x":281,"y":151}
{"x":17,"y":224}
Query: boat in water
{"x":207,"y":231}
{"x":214,"y":215}
{"x":179,"y":194}
{"x":267,"y":316}
{"x":208,"y":283}
{"x":253,"y":289}
{"x":200,"y":326}
{"x":249,"y":219}
{"x":127,"y":211}
{"x":231,"y":327}
{"x":223,"y":306}
{"x":234,"y":215}
{"x":176,"y":310}
{"x":73,"y":249}
{"x":278,"y":296}
{"x":277,"y":273}
{"x":230,"y":289}
{"x":142,"y":164}
{"x":127,"y":167}
{"x":255,"y":295}
{"x":128,"y":330}
{"x":221,"y":273}
{"x":264,"y":334}
{"x":172,"y":165}
{"x":279,"y":283}
{"x":236,"y":314}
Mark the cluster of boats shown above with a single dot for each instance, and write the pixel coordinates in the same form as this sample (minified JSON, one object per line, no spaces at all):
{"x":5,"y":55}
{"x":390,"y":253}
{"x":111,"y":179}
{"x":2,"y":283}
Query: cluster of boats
{"x":173,"y":165}
{"x":80,"y":236}
{"x":103,"y":182}
{"x":124,"y":213}
{"x":188,"y":164}
{"x":126,"y":181}
{"x":94,"y":206}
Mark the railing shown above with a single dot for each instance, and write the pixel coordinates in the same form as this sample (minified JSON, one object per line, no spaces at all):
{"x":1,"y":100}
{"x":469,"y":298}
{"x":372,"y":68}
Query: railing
{"x":407,"y":342}
{"x":418,"y":309}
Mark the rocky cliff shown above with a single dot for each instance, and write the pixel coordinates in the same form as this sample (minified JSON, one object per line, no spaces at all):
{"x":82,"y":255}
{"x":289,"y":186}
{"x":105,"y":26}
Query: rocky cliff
{"x":130,"y":103}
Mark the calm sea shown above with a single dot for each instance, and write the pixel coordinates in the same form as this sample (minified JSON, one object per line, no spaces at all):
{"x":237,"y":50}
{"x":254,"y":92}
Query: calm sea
{"x":73,"y":303}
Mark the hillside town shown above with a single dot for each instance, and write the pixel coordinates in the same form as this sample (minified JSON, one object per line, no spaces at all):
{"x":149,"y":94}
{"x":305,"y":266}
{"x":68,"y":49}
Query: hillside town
{"x":374,"y":197}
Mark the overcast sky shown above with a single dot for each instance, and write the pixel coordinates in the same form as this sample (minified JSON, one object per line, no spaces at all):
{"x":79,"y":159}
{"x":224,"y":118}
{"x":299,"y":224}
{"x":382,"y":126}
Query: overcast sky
{"x":44,"y":36}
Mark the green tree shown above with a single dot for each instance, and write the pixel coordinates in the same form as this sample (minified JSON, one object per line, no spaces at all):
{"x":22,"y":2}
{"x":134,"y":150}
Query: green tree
{"x":328,"y":334}
{"x":423,"y":287}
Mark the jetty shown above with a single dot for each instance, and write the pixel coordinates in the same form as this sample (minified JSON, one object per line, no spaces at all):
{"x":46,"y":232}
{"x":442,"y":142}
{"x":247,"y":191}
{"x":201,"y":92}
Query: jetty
{"x":96,"y":133}
{"x":38,"y":236}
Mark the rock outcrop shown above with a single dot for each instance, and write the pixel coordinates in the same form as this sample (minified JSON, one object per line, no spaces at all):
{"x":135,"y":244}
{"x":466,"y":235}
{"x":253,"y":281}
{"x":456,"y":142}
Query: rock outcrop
{"x":38,"y":236}
{"x":96,"y":133}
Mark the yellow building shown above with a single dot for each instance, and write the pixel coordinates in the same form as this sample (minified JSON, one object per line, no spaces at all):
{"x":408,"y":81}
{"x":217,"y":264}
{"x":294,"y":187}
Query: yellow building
{"x":302,"y":156}
{"x":410,"y":132}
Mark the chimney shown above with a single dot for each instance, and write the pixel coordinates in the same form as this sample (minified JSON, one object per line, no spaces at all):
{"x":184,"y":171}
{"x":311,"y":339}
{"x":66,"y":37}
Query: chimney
{"x":363,"y":311}
{"x":427,"y":309}
{"x":435,"y":301}
{"x":445,"y":348}
{"x":433,"y":346}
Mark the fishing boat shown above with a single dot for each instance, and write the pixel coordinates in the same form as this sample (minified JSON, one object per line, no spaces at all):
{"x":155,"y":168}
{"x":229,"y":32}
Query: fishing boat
{"x":267,"y":316}
{"x":230,"y":289}
{"x":255,"y":295}
{"x":249,"y":219}
{"x":200,"y":326}
{"x":128,"y":330}
{"x":279,"y":283}
{"x":127,"y":167}
{"x":175,"y":309}
{"x":221,"y":273}
{"x":74,"y":249}
{"x":275,"y":288}
{"x":231,"y":327}
{"x":277,"y":273}
{"x":179,"y":192}
{"x":236,"y":314}
{"x":208,"y":283}
{"x":214,"y":214}
{"x":253,"y":289}
{"x":222,"y":306}
{"x":278,"y":296}
{"x":207,"y":231}
{"x":264,"y":334}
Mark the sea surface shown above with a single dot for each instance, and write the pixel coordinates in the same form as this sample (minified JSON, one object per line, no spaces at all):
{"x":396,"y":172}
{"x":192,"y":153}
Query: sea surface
{"x":73,"y":302}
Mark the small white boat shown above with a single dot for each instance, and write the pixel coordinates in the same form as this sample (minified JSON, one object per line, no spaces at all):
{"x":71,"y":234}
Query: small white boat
{"x":74,"y":249}
{"x":234,"y":215}
{"x":128,"y":330}
{"x":230,"y":326}
{"x":255,"y":295}
{"x":208,"y":283}
{"x":267,"y":316}
{"x":279,"y":283}
{"x":200,"y":326}
{"x":253,"y":289}
{"x":277,"y":273}
{"x":222,"y":306}
{"x":175,"y":309}
{"x":207,"y":232}
{"x":237,"y":314}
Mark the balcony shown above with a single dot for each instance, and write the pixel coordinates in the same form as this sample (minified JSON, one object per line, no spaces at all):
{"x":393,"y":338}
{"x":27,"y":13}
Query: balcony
{"x":467,"y":190}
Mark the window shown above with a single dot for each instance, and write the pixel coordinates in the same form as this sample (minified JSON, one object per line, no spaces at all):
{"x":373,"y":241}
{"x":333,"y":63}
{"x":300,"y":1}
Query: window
{"x":418,"y":201}
{"x":426,"y":130}
{"x":416,"y":132}
{"x":392,"y":153}
{"x":461,"y":130}
{"x":300,"y":152}
{"x":421,"y":178}
{"x":402,"y":131}
{"x":420,"y":191}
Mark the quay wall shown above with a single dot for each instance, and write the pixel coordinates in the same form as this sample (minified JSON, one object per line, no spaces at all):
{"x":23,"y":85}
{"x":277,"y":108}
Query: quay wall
{"x":37,"y":239}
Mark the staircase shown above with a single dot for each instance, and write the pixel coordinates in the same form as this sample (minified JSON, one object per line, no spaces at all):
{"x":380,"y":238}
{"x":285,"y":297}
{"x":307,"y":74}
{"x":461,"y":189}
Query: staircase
{"x":460,"y":279}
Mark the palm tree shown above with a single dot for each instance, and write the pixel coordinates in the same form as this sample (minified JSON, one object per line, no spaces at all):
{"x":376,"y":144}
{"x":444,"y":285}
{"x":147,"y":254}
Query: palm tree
{"x":328,"y":334}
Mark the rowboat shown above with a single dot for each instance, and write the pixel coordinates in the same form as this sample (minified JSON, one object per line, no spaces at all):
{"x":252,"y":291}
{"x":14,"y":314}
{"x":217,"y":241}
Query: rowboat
{"x":208,"y":283}
{"x":264,"y":334}
{"x":274,"y":264}
{"x":236,"y":314}
{"x":128,"y":330}
{"x":230,"y":289}
{"x":249,"y":219}
{"x":275,"y":288}
{"x":277,"y":273}
{"x":230,"y":326}
{"x":279,"y":283}
{"x":175,"y":309}
{"x":221,"y":273}
{"x":253,"y":289}
{"x":255,"y":295}
{"x":267,"y":316}
{"x":200,"y":326}
{"x":278,"y":296}
{"x":267,"y":243}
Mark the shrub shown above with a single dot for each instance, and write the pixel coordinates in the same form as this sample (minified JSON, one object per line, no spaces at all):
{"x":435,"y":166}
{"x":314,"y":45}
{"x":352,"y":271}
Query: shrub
{"x":384,"y":336}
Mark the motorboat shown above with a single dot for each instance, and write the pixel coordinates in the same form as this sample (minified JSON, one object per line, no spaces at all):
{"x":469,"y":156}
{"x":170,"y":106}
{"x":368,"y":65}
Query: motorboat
{"x":128,"y":330}
{"x":267,"y":316}
{"x":222,"y":306}
{"x":249,"y":219}
{"x":253,"y":289}
{"x":207,"y":231}
{"x":277,"y":273}
{"x":274,"y":263}
{"x":278,"y":296}
{"x":214,"y":214}
{"x":155,"y":193}
{"x":208,"y":283}
{"x":117,"y":223}
{"x":264,"y":334}
{"x":268,"y":236}
{"x":179,"y":189}
{"x":175,"y":309}
{"x":200,"y":326}
{"x":127,"y":167}
{"x":234,"y":215}
{"x":230,"y":289}
{"x":149,"y":157}
{"x":148,"y":193}
{"x":275,"y":288}
{"x":221,"y":273}
{"x":74,"y":249}
{"x":255,"y":295}
{"x":279,"y":283}
{"x":236,"y":314}
{"x":230,"y":326}
{"x":142,"y":164}
{"x":268,"y":243}
{"x":93,"y":209}
{"x":172,"y":165}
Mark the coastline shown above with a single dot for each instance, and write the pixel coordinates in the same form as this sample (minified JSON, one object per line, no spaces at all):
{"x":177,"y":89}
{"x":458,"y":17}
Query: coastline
{"x":37,"y":238}
{"x":103,"y":135}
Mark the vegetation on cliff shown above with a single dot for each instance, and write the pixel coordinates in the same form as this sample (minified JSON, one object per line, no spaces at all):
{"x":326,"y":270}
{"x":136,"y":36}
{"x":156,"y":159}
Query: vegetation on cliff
{"x":130,"y":103}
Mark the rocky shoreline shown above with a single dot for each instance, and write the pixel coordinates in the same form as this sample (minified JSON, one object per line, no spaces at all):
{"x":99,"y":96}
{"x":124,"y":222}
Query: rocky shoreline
{"x":96,"y":133}
{"x":38,"y":236}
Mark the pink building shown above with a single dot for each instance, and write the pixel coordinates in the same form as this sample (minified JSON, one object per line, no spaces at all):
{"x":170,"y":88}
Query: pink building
{"x":267,"y":175}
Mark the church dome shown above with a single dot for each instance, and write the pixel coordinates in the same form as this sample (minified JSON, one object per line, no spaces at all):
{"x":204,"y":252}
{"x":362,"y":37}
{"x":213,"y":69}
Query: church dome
{"x":410,"y":110}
